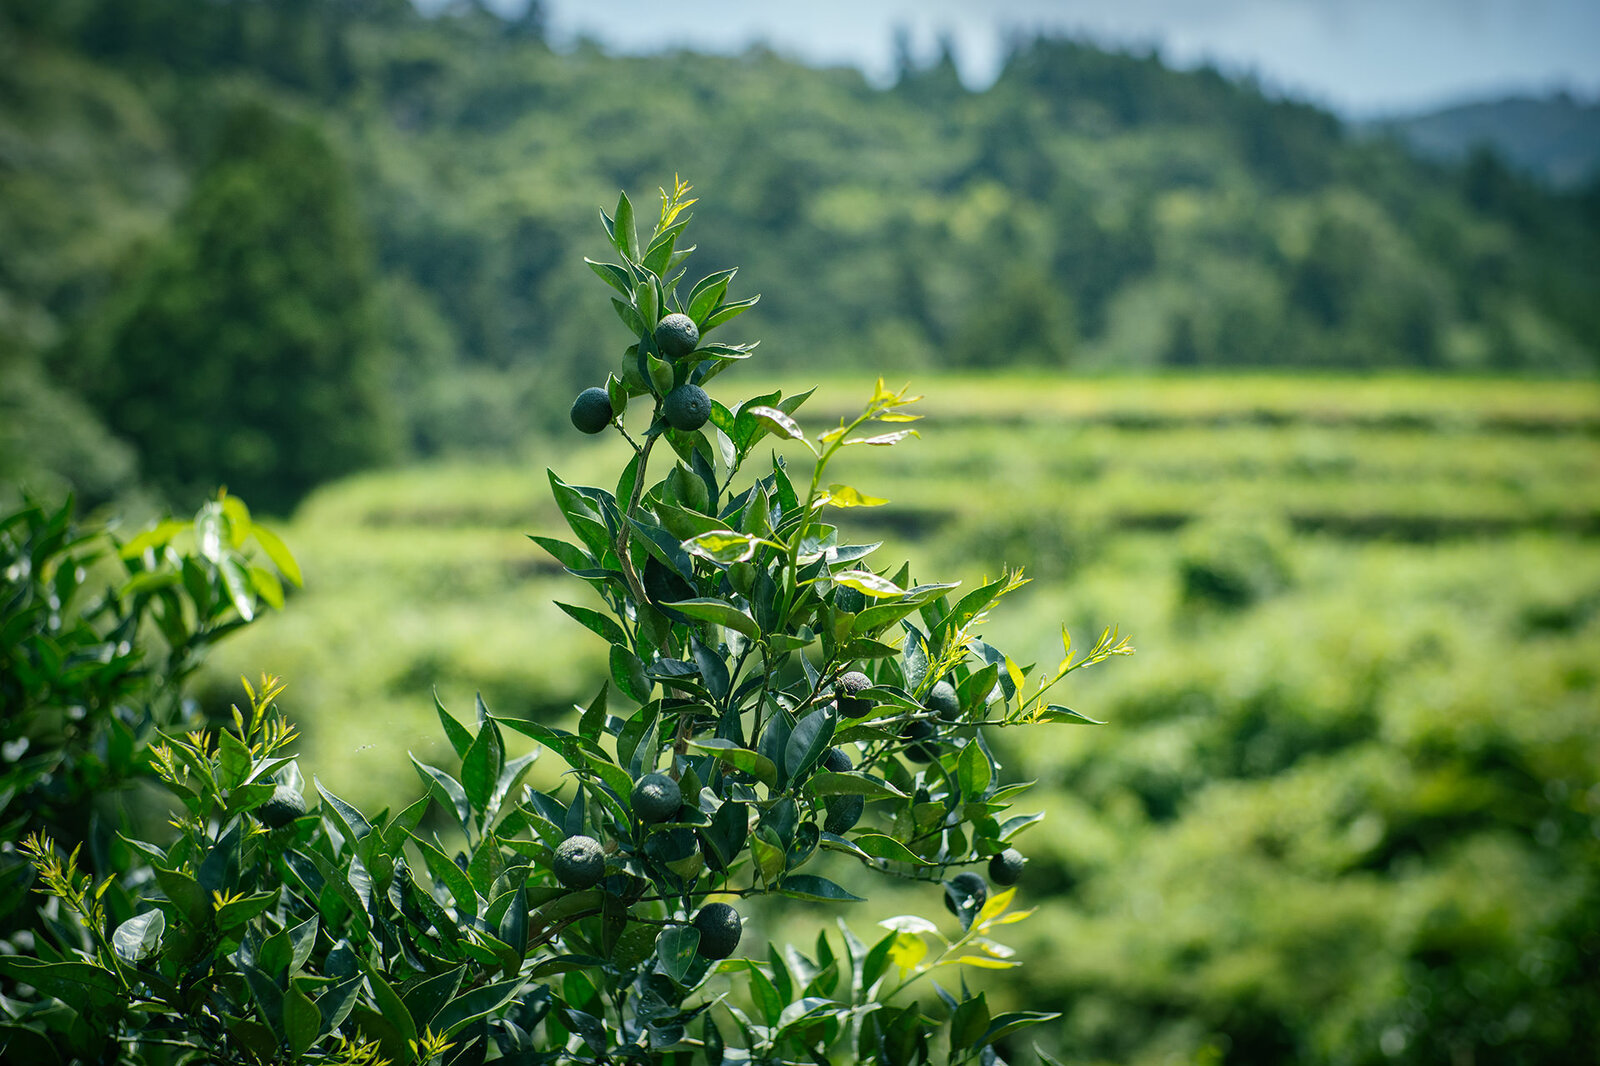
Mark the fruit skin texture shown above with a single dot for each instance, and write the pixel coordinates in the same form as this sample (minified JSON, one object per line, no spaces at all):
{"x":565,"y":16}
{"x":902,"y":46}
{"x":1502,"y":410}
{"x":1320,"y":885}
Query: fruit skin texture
{"x":843,"y":813}
{"x":720,"y":928}
{"x":687,"y":407}
{"x":967,"y":884}
{"x":1006,"y":867}
{"x":927,"y":750}
{"x":591,"y":411}
{"x":677,"y":335}
{"x":943,"y":701}
{"x":656,"y":798}
{"x":837,"y":761}
{"x":284,"y":807}
{"x":845,"y":689}
{"x":580,"y":862}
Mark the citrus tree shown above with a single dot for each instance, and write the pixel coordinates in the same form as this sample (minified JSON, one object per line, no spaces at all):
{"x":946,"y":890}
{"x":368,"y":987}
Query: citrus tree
{"x":774,"y":693}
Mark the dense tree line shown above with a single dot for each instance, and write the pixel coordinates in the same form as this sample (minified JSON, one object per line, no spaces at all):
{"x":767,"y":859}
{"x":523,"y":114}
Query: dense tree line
{"x":1091,"y":210}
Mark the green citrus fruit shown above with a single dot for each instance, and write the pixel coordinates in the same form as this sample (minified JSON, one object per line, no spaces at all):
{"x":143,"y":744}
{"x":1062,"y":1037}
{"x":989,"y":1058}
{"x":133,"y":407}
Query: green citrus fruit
{"x":677,"y":336}
{"x":284,"y":807}
{"x":720,"y":928}
{"x":837,"y":760}
{"x":965,"y":888}
{"x":843,"y":812}
{"x":1006,"y":867}
{"x":580,"y":862}
{"x":845,"y":690}
{"x":849,"y":600}
{"x":656,"y":798}
{"x":943,"y":701}
{"x":924,"y":749}
{"x":687,"y":407}
{"x":591,"y":411}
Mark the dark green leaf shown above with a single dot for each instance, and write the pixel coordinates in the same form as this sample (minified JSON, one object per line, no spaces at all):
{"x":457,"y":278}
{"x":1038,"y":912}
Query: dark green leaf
{"x":756,"y":765}
{"x":675,"y":947}
{"x":302,"y":1021}
{"x":886,"y":847}
{"x":974,"y":771}
{"x":612,"y":275}
{"x":628,"y":673}
{"x":351,"y":821}
{"x":720,"y":612}
{"x":810,"y":738}
{"x":602,"y":625}
{"x":460,"y":738}
{"x":809,"y":886}
{"x":481,"y":766}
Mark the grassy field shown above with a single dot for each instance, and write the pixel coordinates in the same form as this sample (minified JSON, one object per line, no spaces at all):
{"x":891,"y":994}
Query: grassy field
{"x":1359,"y":731}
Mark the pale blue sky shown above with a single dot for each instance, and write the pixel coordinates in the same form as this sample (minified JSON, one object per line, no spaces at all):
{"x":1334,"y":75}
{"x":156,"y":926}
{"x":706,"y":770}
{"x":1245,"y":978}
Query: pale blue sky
{"x":1358,"y":56}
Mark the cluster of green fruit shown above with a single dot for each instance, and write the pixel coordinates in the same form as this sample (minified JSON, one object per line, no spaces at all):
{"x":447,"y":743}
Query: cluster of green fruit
{"x":580,"y":863}
{"x":686,"y":407}
{"x":843,"y":812}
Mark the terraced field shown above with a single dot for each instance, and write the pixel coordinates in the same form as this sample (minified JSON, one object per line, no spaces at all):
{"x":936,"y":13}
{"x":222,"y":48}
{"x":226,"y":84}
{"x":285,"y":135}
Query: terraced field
{"x":1347,"y":786}
{"x":424,"y":577}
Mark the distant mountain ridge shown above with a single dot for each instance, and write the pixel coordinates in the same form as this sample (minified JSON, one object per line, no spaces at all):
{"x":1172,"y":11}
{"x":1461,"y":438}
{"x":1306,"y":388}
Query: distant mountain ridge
{"x":1555,"y":139}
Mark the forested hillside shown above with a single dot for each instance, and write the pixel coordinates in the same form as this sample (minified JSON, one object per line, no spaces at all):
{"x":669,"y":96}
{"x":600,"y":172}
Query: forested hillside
{"x":1092,"y":210}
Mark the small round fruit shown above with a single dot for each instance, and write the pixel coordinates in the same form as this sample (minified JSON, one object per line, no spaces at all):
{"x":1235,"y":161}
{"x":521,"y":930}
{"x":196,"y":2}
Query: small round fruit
{"x":843,"y":813}
{"x":966,"y":886}
{"x":591,"y":411}
{"x":656,"y":798}
{"x":849,"y":600}
{"x":837,"y":761}
{"x":925,"y":749}
{"x":687,"y":407}
{"x":845,"y":692}
{"x":720,"y":928}
{"x":580,"y":862}
{"x":1006,"y":867}
{"x":284,"y":807}
{"x":677,"y":336}
{"x":943,"y":701}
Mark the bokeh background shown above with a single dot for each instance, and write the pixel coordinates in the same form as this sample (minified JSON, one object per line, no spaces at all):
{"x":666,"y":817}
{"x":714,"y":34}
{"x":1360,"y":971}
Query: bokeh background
{"x":1268,"y":332}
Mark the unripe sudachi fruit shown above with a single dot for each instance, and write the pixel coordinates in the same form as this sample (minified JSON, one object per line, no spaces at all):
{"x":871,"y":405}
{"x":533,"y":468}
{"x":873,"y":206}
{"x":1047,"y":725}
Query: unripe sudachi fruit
{"x":720,"y":928}
{"x":676,"y":336}
{"x":656,"y":798}
{"x":591,"y":411}
{"x":845,"y":692}
{"x":687,"y":407}
{"x":943,"y":701}
{"x":1006,"y":867}
{"x":579,"y":863}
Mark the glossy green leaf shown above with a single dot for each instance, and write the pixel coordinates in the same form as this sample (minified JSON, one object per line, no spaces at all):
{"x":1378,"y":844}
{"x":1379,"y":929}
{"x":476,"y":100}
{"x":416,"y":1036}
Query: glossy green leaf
{"x":756,"y":765}
{"x":138,"y":936}
{"x":675,"y":948}
{"x":1056,"y":713}
{"x":720,"y":612}
{"x":302,"y":1022}
{"x":602,"y":625}
{"x":628,"y":674}
{"x":974,"y":771}
{"x":887,"y":847}
{"x":481,"y":766}
{"x":809,"y":886}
